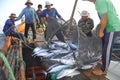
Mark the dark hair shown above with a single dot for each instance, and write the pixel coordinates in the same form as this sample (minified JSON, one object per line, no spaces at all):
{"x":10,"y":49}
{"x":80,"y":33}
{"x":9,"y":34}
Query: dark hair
{"x":39,"y":6}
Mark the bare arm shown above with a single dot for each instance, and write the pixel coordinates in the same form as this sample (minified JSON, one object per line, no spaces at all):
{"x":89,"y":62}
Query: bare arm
{"x":20,"y":15}
{"x":103,"y":24}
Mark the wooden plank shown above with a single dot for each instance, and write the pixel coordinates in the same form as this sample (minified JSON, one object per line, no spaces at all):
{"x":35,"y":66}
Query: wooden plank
{"x":10,"y":60}
{"x":13,"y":60}
{"x":22,"y":70}
{"x":91,"y":76}
{"x":88,"y":73}
{"x":15,"y":49}
{"x":4,"y":67}
{"x":17,"y":69}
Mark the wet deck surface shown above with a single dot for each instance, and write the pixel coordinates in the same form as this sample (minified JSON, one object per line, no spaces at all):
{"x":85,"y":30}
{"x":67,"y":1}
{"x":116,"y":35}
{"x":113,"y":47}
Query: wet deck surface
{"x":113,"y":72}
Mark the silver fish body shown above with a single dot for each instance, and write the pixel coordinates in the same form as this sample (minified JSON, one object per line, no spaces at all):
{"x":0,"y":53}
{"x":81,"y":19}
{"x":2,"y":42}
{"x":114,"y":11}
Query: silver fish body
{"x":65,"y":72}
{"x":58,"y":68}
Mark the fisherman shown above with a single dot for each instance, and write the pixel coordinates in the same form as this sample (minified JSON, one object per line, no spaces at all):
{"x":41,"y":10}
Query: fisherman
{"x":86,"y":24}
{"x":42,"y":20}
{"x":9,"y":28}
{"x":39,"y":10}
{"x":52,"y":12}
{"x":31,"y":19}
{"x":109,"y":28}
{"x":9,"y":31}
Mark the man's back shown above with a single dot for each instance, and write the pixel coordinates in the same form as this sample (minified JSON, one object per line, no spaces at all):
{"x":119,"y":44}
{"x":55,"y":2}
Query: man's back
{"x":106,"y":7}
{"x":8,"y":26}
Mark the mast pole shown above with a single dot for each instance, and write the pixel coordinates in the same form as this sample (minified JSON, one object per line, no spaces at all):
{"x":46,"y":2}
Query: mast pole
{"x":71,"y":18}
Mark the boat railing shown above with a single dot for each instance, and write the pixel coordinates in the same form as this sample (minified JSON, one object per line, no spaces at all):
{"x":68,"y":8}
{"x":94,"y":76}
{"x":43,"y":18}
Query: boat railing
{"x":15,"y":60}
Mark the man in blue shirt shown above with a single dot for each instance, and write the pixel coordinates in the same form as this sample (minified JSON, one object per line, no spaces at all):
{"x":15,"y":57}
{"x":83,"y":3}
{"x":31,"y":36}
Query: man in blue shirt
{"x":30,"y":18}
{"x":52,"y":12}
{"x":39,"y":10}
{"x":9,"y":25}
{"x":9,"y":28}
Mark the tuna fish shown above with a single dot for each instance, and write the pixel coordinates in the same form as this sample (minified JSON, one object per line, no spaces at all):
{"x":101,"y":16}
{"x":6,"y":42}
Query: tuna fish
{"x":73,"y":74}
{"x":67,"y":72}
{"x":73,"y":46}
{"x":58,"y":68}
{"x":86,"y":67}
{"x":65,"y":61}
{"x":37,"y":49}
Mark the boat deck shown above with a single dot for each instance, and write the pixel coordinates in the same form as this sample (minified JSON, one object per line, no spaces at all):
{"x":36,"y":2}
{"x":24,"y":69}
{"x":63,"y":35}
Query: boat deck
{"x":34,"y":65}
{"x":112,"y":74}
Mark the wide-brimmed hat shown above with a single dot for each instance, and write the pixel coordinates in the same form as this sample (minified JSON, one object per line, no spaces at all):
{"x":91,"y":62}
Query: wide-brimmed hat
{"x":84,"y":13}
{"x":48,"y":3}
{"x":12,"y":15}
{"x":28,"y":2}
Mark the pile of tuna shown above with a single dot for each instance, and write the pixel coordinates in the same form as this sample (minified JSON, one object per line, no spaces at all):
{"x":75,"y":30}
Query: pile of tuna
{"x":65,"y":59}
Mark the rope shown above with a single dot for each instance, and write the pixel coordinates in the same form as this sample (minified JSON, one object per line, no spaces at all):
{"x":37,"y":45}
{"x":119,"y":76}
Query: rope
{"x":15,"y":57}
{"x":24,"y":42}
{"x":20,"y":39}
{"x":54,"y":32}
{"x":8,"y":66}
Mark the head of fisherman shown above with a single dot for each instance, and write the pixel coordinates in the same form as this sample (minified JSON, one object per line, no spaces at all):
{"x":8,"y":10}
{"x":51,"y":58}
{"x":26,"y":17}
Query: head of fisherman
{"x":84,"y":14}
{"x":13,"y":16}
{"x":28,"y":3}
{"x":48,"y":5}
{"x":39,"y":7}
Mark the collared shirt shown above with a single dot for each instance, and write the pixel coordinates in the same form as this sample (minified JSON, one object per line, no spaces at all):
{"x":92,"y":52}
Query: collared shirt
{"x":106,"y":7}
{"x":86,"y":26}
{"x":8,"y":27}
{"x":30,"y":15}
{"x":52,"y":12}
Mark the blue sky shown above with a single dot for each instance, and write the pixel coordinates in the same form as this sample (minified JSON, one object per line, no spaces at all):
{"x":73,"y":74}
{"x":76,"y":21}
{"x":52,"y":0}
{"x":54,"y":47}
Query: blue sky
{"x":64,"y":7}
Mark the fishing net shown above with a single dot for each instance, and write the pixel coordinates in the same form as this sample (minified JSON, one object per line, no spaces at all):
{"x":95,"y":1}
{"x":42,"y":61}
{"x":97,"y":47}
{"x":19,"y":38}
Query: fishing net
{"x":89,"y":47}
{"x":86,"y":50}
{"x":52,"y":28}
{"x":55,"y":26}
{"x":73,"y":35}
